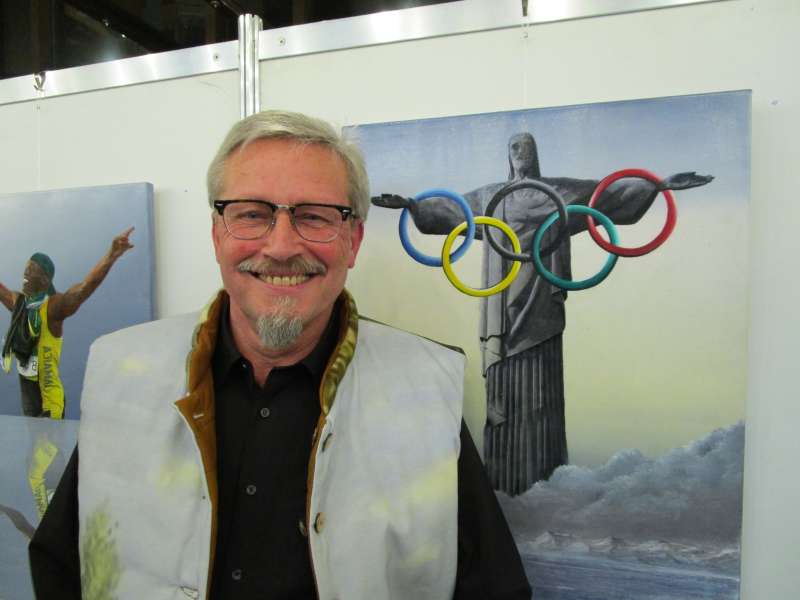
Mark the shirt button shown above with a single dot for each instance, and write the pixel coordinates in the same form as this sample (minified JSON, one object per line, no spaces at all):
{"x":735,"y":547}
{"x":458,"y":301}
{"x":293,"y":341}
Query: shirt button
{"x":264,"y":412}
{"x":319,"y":522}
{"x":326,"y":441}
{"x":236,"y":574}
{"x":250,"y":489}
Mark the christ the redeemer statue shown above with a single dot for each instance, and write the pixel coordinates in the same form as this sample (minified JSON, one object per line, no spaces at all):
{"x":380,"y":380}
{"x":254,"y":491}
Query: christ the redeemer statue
{"x":521,"y":328}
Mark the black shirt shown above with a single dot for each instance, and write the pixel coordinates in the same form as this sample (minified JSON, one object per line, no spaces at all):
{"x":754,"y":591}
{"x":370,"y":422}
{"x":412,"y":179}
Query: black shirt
{"x":263,"y":447}
{"x":264,"y":438}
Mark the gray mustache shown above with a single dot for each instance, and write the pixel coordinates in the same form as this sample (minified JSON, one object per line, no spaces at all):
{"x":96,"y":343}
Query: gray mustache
{"x":294,"y":266}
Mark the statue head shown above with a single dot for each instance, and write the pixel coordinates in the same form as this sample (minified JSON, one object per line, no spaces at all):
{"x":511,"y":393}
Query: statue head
{"x":523,"y":158}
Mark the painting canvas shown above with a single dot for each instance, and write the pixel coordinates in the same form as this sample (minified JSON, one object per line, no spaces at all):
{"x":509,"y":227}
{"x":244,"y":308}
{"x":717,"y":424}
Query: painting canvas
{"x":615,"y":441}
{"x":35,"y":453}
{"x":75,"y":227}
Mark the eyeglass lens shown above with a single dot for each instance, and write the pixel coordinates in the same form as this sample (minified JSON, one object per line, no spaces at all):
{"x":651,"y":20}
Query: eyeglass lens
{"x":251,"y":220}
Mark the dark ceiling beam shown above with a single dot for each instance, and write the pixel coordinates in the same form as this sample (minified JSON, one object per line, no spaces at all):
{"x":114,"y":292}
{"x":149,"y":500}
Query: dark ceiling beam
{"x":302,"y":10}
{"x":124,"y":23}
{"x":41,"y":23}
{"x":231,"y":5}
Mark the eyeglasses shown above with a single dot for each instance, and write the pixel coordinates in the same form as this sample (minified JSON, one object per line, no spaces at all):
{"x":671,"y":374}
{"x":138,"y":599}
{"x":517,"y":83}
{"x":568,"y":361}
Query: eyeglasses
{"x":251,"y":219}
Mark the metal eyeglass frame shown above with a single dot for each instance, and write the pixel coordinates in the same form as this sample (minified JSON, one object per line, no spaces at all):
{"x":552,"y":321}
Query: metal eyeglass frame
{"x":345,"y":211}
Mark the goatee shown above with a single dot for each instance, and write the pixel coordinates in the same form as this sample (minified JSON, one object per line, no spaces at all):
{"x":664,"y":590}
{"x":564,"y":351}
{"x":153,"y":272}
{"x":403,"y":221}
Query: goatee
{"x":279,"y":329}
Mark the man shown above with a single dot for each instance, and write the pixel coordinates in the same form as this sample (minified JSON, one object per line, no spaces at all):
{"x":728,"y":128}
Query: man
{"x":34,"y":335}
{"x":521,"y":328}
{"x":304,"y":452}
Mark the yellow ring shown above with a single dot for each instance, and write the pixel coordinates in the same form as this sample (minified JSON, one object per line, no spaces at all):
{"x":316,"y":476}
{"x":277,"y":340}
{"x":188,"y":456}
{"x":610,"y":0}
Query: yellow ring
{"x":448,"y":269}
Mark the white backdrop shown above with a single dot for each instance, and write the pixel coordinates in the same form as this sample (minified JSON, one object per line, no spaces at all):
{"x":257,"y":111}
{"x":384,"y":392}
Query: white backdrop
{"x":166,"y":132}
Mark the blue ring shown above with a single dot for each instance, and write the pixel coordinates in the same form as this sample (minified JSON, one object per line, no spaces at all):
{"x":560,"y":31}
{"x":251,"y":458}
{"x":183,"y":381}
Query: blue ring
{"x":583,"y":284}
{"x":436,"y":261}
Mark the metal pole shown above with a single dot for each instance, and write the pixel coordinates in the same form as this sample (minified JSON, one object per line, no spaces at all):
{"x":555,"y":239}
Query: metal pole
{"x":257,"y":27}
{"x":249,"y":88}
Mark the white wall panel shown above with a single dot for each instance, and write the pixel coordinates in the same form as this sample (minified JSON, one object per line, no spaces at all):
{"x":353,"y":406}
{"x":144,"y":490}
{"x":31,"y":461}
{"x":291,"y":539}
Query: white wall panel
{"x":19,"y":147}
{"x":407,"y":80}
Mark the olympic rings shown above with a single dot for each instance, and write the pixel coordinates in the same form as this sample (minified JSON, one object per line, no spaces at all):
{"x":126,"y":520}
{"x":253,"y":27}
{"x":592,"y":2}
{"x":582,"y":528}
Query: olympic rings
{"x":426,"y":259}
{"x":498,"y":287}
{"x":520,"y":185}
{"x":583,"y":283}
{"x":666,"y":231}
{"x":537,"y":252}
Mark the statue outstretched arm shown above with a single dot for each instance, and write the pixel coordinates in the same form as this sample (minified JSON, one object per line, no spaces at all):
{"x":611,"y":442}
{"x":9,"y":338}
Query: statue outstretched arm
{"x":67,"y":304}
{"x":7,"y":297}
{"x":628,"y":200}
{"x":434,"y":215}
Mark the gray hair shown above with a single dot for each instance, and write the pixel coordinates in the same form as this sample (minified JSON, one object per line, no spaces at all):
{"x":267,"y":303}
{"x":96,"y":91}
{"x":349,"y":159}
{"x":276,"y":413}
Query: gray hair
{"x":277,"y":124}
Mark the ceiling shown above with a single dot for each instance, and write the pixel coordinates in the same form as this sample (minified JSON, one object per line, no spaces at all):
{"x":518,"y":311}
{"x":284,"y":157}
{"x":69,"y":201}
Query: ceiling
{"x":42,"y":35}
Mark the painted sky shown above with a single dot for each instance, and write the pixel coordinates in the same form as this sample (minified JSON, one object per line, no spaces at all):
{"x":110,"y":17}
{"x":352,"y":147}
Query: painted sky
{"x":655,"y":356}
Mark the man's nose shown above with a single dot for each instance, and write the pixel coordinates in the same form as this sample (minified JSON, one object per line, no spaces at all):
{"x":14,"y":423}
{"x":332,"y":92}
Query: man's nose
{"x":282,"y":240}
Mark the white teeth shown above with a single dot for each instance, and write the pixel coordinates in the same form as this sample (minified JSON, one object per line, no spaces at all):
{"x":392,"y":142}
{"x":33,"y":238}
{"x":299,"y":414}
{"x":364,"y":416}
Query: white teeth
{"x":285,"y":280}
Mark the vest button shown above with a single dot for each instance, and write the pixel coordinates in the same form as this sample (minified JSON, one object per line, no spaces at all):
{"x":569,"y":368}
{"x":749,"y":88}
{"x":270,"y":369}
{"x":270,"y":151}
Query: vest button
{"x":264,"y":412}
{"x":301,"y":525}
{"x":236,"y":574}
{"x":319,"y":522}
{"x":250,"y":490}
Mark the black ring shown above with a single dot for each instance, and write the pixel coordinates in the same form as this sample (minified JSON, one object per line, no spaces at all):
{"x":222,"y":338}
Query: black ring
{"x":561,"y":207}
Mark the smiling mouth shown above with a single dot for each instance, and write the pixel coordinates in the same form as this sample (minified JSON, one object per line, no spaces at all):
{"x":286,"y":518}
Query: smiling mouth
{"x":282,"y":280}
{"x":286,"y":274}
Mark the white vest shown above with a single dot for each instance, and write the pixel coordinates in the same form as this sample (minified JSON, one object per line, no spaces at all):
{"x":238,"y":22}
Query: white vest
{"x":383,"y":506}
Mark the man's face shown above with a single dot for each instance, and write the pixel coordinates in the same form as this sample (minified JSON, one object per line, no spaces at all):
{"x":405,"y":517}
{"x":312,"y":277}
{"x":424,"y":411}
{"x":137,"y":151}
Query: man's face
{"x":521,"y":152}
{"x":34,"y":279}
{"x":283,"y":271}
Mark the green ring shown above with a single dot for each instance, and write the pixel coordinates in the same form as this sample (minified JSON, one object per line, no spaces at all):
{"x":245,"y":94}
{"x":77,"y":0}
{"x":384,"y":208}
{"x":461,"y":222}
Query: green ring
{"x":583,"y":284}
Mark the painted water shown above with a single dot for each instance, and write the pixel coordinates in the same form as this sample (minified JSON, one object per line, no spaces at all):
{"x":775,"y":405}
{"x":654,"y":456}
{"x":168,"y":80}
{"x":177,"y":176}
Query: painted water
{"x":637,"y":528}
{"x":559,"y":576}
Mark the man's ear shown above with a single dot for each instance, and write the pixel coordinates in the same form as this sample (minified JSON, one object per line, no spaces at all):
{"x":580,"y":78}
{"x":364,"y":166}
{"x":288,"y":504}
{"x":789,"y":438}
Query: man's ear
{"x":218,"y":231}
{"x":356,"y":236}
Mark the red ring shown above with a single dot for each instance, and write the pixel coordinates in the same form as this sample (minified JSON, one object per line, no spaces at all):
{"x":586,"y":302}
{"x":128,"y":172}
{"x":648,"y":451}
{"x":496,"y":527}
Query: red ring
{"x":666,"y":231}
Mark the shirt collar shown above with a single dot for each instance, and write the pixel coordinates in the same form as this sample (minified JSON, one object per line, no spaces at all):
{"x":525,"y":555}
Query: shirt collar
{"x":226,"y":354}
